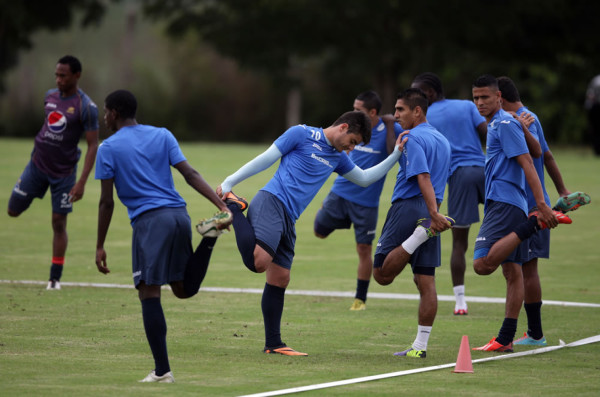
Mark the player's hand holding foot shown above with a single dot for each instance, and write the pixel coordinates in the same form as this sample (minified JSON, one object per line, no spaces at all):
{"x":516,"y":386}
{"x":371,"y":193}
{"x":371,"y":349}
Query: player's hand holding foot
{"x":546,"y":217}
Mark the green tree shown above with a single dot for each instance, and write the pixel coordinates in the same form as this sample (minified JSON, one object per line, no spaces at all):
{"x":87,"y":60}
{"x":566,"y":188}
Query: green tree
{"x":341,"y":47}
{"x":20,"y":19}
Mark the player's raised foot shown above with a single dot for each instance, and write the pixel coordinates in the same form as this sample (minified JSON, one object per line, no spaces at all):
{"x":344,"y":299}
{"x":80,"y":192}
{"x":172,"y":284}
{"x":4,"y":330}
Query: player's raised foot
{"x":562,"y":218}
{"x":425,"y":223}
{"x":53,"y":285}
{"x":527,"y":340}
{"x":495,"y":346}
{"x":410,"y":352}
{"x":152,"y":377}
{"x":461,"y":312}
{"x":358,"y":304}
{"x":211,"y":227}
{"x":232,"y":198}
{"x":283,"y":350}
{"x":572,"y":202}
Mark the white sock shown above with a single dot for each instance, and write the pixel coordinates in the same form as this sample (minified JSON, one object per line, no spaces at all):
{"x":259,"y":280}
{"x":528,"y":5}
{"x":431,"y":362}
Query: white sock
{"x":459,"y":294}
{"x":420,"y":342}
{"x":418,"y":237}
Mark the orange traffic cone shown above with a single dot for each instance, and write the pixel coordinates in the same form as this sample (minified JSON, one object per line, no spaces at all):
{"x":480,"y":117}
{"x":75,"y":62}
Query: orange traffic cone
{"x":463,"y":361}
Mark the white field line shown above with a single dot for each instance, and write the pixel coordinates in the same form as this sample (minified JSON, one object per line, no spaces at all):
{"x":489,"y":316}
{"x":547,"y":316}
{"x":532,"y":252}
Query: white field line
{"x":592,"y":339}
{"x":337,"y":294}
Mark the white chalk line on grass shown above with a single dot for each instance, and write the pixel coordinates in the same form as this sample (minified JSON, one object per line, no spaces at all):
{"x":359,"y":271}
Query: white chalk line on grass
{"x":336,"y":294}
{"x":592,"y":339}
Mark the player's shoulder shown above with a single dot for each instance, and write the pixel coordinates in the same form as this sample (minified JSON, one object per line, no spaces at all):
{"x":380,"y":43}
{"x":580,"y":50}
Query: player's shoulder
{"x":85,"y":98}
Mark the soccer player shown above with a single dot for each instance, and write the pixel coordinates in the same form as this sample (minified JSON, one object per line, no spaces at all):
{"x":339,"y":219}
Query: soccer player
{"x":349,"y":204}
{"x":70,"y":114}
{"x":539,"y":243}
{"x":505,"y":225}
{"x":463,"y":126}
{"x":266,"y":239}
{"x":418,"y":193}
{"x":137,"y":162}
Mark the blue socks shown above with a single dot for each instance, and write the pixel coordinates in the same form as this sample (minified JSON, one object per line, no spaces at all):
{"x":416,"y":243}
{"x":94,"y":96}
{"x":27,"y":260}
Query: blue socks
{"x":527,"y":228}
{"x":197,"y":265}
{"x":155,"y":326}
{"x":507,"y":331}
{"x":244,"y":236}
{"x":272,"y":308}
{"x":362,"y":286}
{"x":534,"y":319}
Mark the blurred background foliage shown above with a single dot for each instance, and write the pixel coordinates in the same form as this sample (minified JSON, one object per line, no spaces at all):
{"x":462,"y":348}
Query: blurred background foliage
{"x":245,"y":70}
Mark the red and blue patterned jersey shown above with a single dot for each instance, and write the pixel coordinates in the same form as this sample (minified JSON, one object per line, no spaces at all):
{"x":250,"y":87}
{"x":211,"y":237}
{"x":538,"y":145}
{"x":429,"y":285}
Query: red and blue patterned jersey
{"x":56,"y":152}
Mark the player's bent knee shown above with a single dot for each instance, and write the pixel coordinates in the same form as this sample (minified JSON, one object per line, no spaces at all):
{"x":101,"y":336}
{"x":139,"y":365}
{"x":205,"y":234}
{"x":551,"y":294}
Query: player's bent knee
{"x":380,"y":278}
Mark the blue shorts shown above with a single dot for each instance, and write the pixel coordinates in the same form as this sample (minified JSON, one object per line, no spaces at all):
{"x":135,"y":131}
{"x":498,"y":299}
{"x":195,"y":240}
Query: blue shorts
{"x":34,"y":183}
{"x":161,"y":246}
{"x":466,"y":190}
{"x":399,"y":225}
{"x":539,"y":245}
{"x":500,"y":220}
{"x":274,"y":229}
{"x":339,"y":213}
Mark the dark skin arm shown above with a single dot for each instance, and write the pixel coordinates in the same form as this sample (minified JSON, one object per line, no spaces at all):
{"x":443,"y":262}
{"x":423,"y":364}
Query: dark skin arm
{"x":438,"y":221}
{"x":390,"y":139}
{"x":78,"y":189}
{"x":545,"y":213}
{"x":105,"y":211}
{"x":195,"y":180}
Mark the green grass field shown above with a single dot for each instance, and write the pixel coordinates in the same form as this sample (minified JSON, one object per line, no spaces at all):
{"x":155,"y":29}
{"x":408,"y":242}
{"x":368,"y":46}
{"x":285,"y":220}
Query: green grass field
{"x":90,"y":341}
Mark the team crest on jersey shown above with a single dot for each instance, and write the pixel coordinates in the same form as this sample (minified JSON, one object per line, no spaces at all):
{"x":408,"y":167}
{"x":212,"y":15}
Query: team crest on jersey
{"x":71,"y":110}
{"x":57,"y":122}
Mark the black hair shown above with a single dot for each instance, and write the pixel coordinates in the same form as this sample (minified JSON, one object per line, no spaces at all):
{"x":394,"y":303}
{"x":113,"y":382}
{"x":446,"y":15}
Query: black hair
{"x":73,"y":63}
{"x":358,"y":123}
{"x":123,"y":102}
{"x":432,"y":80}
{"x":508,"y":89}
{"x":370,"y":100}
{"x":486,"y":80}
{"x":414,"y":97}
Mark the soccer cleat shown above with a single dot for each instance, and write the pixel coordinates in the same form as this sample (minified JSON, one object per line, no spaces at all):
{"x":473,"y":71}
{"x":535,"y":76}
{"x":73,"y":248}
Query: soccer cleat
{"x":166,"y":378}
{"x":425,"y":223}
{"x":410,"y":352}
{"x":529,"y":341}
{"x":493,"y":346}
{"x":53,"y":285}
{"x":572,"y":201}
{"x":358,"y":304}
{"x":562,"y":218}
{"x":232,"y":198}
{"x":461,"y":312}
{"x":283,"y":350}
{"x":210,"y":227}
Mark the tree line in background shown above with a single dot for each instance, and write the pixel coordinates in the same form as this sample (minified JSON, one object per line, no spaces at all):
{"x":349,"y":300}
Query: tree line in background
{"x":233,"y":70}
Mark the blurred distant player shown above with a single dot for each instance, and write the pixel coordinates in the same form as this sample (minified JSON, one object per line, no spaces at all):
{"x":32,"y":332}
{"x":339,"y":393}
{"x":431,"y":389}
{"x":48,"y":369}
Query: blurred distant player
{"x":539,"y":243}
{"x":350,"y":204}
{"x":463,"y":126}
{"x":70,"y":114}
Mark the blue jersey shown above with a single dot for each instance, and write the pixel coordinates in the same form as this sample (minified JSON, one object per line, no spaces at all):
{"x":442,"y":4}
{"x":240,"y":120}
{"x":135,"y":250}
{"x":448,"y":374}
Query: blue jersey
{"x":457,"y":120}
{"x":366,"y":156}
{"x":139,"y":159}
{"x":426,"y":151}
{"x":56,"y":152}
{"x":306,"y":163}
{"x":538,"y":133}
{"x":504,"y":177}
